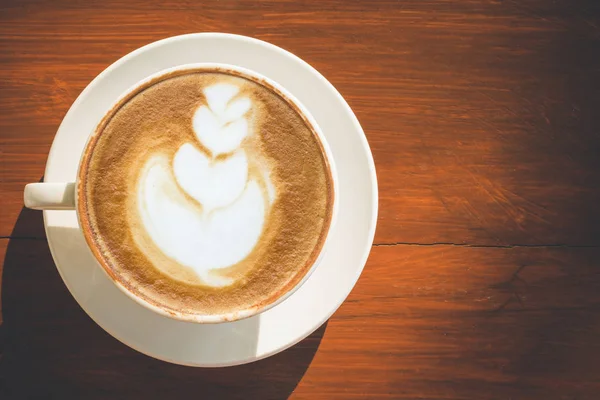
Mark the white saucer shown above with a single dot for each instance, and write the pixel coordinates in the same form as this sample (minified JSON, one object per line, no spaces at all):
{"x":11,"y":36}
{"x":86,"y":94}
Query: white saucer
{"x":278,"y":328}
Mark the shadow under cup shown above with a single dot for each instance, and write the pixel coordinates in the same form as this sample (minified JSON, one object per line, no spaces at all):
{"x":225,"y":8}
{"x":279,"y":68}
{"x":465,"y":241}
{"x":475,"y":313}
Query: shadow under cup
{"x":133,"y":288}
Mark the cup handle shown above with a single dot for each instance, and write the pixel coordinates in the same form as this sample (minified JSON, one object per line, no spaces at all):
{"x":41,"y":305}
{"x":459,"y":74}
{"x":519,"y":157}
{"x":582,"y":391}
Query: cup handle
{"x":50,"y":196}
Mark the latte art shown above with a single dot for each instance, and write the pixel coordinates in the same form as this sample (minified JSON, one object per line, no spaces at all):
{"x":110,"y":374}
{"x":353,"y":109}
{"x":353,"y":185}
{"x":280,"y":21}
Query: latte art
{"x":205,"y":192}
{"x":224,"y":223}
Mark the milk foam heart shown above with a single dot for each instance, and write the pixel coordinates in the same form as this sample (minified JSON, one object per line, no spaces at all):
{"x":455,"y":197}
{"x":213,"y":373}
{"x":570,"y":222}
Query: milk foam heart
{"x":220,"y":126}
{"x":199,"y":240}
{"x":205,"y":211}
{"x":212,"y":184}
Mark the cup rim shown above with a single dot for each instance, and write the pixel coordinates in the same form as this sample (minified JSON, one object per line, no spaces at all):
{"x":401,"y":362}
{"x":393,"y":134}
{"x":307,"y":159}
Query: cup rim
{"x":288,"y":291}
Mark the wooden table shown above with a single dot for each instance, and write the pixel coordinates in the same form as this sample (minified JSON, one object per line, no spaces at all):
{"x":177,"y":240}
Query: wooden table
{"x":484,"y":121}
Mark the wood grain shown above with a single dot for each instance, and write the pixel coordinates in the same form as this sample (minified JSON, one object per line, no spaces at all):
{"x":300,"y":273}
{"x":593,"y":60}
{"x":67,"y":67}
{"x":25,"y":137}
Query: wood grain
{"x":481,"y":114}
{"x":483,"y":120}
{"x":432,"y":322}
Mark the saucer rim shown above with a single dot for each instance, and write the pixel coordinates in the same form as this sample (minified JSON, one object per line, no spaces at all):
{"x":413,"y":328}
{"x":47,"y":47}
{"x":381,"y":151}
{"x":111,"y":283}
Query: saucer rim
{"x":332,"y":308}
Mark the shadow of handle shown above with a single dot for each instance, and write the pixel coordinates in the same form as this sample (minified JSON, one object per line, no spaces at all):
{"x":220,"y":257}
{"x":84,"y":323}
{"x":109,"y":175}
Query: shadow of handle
{"x":50,"y":196}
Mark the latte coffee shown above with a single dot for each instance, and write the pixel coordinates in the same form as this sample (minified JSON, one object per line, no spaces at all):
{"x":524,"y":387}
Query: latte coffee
{"x":206,"y":191}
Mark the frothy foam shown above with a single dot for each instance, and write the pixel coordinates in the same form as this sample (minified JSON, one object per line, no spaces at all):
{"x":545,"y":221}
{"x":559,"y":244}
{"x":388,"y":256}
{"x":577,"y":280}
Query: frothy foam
{"x":223,"y":187}
{"x":221,"y":126}
{"x":224,"y":224}
{"x":203,"y":241}
{"x":211,"y":183}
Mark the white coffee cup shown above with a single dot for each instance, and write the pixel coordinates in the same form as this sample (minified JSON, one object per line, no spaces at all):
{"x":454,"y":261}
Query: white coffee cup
{"x":64,"y":196}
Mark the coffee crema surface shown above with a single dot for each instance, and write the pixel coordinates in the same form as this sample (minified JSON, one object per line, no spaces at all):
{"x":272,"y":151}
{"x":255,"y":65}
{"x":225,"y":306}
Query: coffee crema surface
{"x":205,"y":192}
